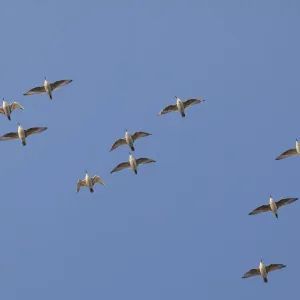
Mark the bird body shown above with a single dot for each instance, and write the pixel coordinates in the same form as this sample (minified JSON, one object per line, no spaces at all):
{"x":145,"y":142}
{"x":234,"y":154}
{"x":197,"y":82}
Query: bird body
{"x":7,"y":109}
{"x":273,"y":206}
{"x":48,"y":87}
{"x":22,"y":134}
{"x":129,"y":139}
{"x":132,"y":163}
{"x":263,"y":270}
{"x":88,"y":182}
{"x":180,"y":106}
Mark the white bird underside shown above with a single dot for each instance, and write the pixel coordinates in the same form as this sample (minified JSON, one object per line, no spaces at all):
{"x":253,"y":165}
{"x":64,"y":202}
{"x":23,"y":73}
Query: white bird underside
{"x":41,"y":89}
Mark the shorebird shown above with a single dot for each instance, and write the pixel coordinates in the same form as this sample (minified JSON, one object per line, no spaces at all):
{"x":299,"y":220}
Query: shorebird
{"x":88,"y":182}
{"x":290,"y":152}
{"x":48,"y":87}
{"x":180,"y":106}
{"x":22,"y":134}
{"x":129,"y":139}
{"x":7,"y":109}
{"x":273,"y":206}
{"x":263,"y":270}
{"x":132,"y":163}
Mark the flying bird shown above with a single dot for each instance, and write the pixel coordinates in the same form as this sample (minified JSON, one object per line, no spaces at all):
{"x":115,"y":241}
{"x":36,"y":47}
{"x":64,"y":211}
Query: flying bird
{"x":180,"y":106}
{"x":129,"y":139}
{"x":290,"y":152}
{"x":88,"y":182}
{"x":48,"y":87}
{"x":132,"y":163}
{"x":273,"y":206}
{"x":7,"y":109}
{"x":22,"y":134}
{"x":263,"y":270}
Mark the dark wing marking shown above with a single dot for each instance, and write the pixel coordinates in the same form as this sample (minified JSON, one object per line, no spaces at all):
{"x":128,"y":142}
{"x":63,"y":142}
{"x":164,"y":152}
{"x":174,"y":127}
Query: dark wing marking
{"x":139,"y":134}
{"x":141,"y":161}
{"x":168,"y":109}
{"x":285,"y":201}
{"x":60,"y":83}
{"x":34,"y":130}
{"x":36,"y":90}
{"x":252,"y":272}
{"x":288,"y":153}
{"x":120,"y":167}
{"x":191,"y":102}
{"x":9,"y":136}
{"x":119,"y":142}
{"x":261,"y":209}
{"x":274,"y":267}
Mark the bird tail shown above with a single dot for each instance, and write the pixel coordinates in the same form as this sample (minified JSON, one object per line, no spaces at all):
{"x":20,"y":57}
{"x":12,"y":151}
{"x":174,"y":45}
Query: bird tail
{"x":91,"y":190}
{"x":276,"y":215}
{"x":135,"y":171}
{"x":24,"y":143}
{"x":265,"y":280}
{"x":8,"y":117}
{"x":132,"y":148}
{"x":50,"y":96}
{"x":183,"y":114}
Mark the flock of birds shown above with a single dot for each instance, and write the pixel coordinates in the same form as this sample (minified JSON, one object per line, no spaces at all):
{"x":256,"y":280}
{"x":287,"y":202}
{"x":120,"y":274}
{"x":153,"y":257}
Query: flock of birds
{"x":133,"y":163}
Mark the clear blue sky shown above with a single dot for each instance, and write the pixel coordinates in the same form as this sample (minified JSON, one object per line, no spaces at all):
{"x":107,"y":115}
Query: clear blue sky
{"x":179,"y":229}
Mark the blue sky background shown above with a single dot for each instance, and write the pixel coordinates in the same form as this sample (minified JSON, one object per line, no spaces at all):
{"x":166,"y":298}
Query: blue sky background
{"x":180,"y":229}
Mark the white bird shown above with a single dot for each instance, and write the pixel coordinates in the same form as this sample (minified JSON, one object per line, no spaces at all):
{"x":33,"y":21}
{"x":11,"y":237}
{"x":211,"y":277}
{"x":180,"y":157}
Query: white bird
{"x":7,"y":109}
{"x":132,"y":163}
{"x":22,"y":134}
{"x":273,"y":206}
{"x":48,"y":87}
{"x":290,"y":152}
{"x":263,"y":270}
{"x":88,"y":182}
{"x":129,"y":139}
{"x":180,"y":106}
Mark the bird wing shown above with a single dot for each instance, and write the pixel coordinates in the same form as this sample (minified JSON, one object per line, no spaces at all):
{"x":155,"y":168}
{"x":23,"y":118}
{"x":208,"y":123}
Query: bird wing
{"x":59,"y":83}
{"x":121,"y":166}
{"x":15,"y":105}
{"x":141,"y":161}
{"x":80,"y":183}
{"x":119,"y":142}
{"x":261,"y":209}
{"x":274,"y":267}
{"x":252,"y":272}
{"x":285,"y":201}
{"x":97,"y":179}
{"x":191,"y":102}
{"x":34,"y":130}
{"x":36,"y":90}
{"x":290,"y":152}
{"x":9,"y":136}
{"x":2,"y":111}
{"x":139,"y":134}
{"x":168,"y":109}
